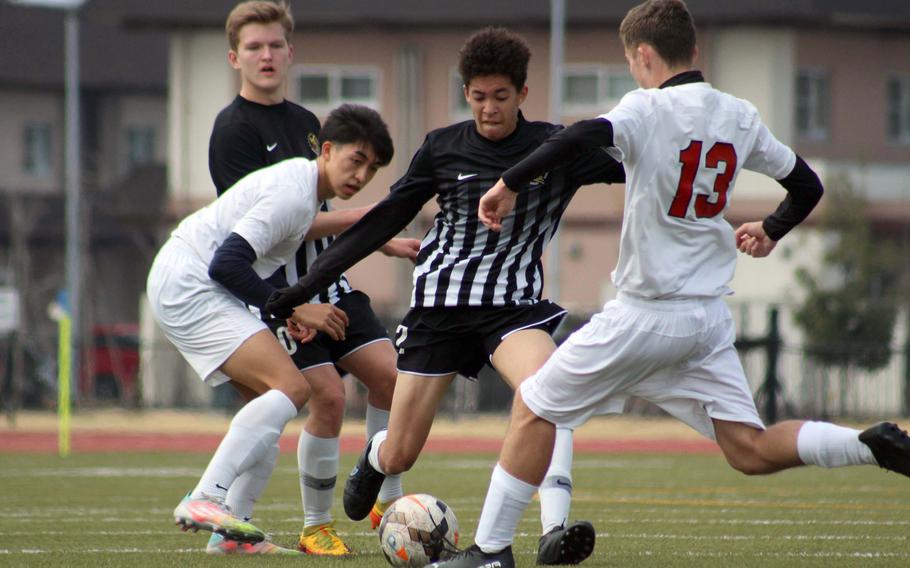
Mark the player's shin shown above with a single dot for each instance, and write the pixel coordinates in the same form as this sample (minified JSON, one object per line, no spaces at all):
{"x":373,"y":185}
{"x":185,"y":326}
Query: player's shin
{"x":253,"y":431}
{"x":506,"y":500}
{"x":246,"y":490}
{"x":556,"y":489}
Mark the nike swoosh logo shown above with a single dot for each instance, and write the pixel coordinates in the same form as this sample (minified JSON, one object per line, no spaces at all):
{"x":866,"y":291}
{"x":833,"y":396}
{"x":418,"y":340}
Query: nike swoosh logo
{"x":462,"y":177}
{"x":271,"y":147}
{"x":220,"y":487}
{"x":563,"y":483}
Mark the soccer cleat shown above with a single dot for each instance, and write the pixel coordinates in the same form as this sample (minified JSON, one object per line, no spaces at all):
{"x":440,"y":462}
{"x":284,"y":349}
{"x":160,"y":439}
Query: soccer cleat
{"x":322,"y":540}
{"x":473,"y":557}
{"x":362,"y":487}
{"x":376,"y":513}
{"x":219,"y":545}
{"x":890,"y":445}
{"x":566,"y":545}
{"x":211,"y":514}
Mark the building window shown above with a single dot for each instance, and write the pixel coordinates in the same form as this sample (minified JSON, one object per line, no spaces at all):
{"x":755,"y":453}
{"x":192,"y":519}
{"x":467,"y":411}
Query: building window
{"x":594,"y":89}
{"x":36,"y":156}
{"x":812,"y":104}
{"x":459,"y":109}
{"x":140,"y":144}
{"x":321,"y":89}
{"x":899,"y":110}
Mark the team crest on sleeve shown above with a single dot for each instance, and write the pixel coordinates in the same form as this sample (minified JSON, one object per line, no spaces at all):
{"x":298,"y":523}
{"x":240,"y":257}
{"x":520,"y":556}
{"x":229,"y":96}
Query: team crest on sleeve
{"x":313,"y":142}
{"x":540,"y":180}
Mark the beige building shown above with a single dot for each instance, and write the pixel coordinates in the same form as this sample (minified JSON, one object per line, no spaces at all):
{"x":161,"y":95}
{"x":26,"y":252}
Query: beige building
{"x":832,"y":79}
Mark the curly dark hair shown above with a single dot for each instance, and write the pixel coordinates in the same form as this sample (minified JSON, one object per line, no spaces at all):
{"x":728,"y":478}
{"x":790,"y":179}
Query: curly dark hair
{"x":495,"y":51}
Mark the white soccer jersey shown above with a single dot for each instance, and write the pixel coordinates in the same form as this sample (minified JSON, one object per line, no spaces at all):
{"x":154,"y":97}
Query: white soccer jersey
{"x":683,"y":147}
{"x":271,"y":208}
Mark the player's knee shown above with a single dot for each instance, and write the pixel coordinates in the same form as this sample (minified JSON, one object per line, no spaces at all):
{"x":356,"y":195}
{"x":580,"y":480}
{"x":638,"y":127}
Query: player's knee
{"x":298,"y":391}
{"x":328,"y":407}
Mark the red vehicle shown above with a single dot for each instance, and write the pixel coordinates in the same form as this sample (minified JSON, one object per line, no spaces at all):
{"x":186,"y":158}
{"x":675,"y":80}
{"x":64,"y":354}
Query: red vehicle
{"x":110,"y":366}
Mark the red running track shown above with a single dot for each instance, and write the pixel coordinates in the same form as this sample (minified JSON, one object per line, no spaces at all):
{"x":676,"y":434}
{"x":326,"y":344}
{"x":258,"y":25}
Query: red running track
{"x":84,"y":442}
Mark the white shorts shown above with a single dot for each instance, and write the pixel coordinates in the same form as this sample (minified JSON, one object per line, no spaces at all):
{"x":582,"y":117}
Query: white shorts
{"x":678,"y":355}
{"x":203,"y":320}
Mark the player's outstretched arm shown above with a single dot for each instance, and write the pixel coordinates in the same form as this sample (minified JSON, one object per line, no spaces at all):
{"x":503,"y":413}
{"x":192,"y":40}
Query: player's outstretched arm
{"x":374,"y":230}
{"x":495,"y":204}
{"x":752,"y":239}
{"x":331,"y":223}
{"x":401,"y":248}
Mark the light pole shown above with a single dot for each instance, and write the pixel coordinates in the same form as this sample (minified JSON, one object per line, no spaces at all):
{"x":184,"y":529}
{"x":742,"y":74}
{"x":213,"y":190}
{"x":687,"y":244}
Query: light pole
{"x":72,"y":183}
{"x":557,"y":47}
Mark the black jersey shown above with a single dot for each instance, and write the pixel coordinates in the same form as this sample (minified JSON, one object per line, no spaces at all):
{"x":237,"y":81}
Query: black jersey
{"x":248,"y":136}
{"x":461,"y":262}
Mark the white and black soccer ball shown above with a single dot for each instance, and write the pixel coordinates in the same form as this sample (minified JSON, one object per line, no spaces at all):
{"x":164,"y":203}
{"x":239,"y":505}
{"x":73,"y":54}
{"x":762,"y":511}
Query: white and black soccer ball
{"x":417,"y":530}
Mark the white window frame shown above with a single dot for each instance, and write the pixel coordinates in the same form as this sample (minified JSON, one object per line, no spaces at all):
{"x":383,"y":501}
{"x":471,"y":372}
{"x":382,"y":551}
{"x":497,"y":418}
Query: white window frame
{"x":819,"y":122}
{"x":36,"y":170}
{"x":604,"y":101}
{"x":902,"y":111}
{"x":459,"y":109}
{"x":335,"y":74}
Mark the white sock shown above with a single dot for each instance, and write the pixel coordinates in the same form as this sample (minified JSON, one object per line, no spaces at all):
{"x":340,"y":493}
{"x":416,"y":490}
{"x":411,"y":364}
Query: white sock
{"x":379,"y":420}
{"x":373,"y":456}
{"x":556,"y":489}
{"x":246,"y":490}
{"x":255,"y":429}
{"x":506,"y":500}
{"x":317,"y":460}
{"x":828,"y":445}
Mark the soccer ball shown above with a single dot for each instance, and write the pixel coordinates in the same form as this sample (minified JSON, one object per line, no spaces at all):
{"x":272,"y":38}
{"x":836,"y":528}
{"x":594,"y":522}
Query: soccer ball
{"x":417,"y":530}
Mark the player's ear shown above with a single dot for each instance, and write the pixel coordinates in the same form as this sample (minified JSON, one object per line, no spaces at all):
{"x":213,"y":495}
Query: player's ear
{"x":290,"y":52}
{"x":327,"y":148}
{"x":232,"y":59}
{"x":522,"y":94}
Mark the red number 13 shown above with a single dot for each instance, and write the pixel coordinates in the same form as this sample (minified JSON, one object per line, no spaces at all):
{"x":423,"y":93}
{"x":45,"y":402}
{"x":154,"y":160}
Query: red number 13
{"x":721,"y":152}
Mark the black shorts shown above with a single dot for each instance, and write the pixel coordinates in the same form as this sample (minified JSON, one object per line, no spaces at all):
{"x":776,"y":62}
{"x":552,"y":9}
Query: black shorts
{"x":439,"y":341}
{"x":363,"y":328}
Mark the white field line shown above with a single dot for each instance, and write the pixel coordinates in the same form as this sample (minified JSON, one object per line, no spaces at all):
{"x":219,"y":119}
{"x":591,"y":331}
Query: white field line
{"x":649,"y":553}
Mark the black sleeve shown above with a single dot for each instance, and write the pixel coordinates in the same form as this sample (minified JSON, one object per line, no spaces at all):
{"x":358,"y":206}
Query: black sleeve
{"x":559,"y":149}
{"x":234,"y":151}
{"x":596,"y":166}
{"x":232,"y":267}
{"x":385,"y":220}
{"x":804,"y":190}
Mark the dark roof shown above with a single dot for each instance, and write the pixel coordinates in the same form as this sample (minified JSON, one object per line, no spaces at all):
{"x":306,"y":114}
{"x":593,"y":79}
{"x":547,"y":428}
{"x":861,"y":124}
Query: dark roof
{"x":407,"y":13}
{"x":124,"y":42}
{"x":112,"y":56}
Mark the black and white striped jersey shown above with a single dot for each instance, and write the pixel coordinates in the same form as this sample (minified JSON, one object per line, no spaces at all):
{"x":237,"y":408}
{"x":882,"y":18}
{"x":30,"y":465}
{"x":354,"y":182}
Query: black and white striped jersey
{"x":248,"y":136}
{"x":461,"y":262}
{"x":306,"y":255}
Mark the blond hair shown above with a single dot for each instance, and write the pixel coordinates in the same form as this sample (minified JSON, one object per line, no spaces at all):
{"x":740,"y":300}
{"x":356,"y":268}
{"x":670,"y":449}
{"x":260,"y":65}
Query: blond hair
{"x":260,"y":12}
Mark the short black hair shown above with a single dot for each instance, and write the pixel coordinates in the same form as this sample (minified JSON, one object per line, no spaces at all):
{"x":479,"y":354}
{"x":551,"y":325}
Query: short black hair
{"x":353,"y":124}
{"x":667,"y":25}
{"x":495,"y":51}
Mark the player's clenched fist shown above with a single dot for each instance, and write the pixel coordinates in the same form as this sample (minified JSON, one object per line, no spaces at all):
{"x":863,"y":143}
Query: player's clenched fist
{"x":323,"y":317}
{"x":496,"y":203}
{"x":751,"y":239}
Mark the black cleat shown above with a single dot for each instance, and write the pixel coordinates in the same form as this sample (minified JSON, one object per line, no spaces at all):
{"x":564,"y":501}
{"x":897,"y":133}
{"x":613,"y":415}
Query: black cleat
{"x":890,"y":445}
{"x":362,"y":487}
{"x":566,"y":545}
{"x":473,"y":557}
